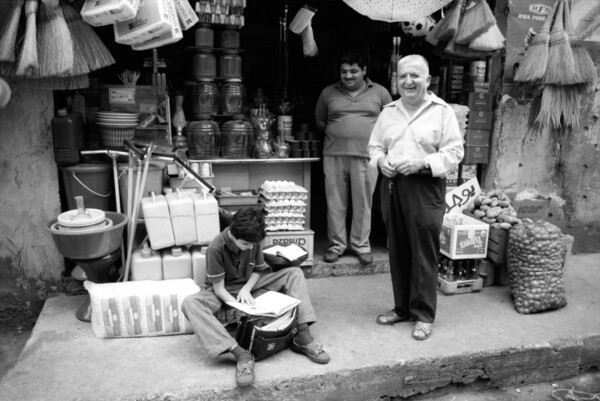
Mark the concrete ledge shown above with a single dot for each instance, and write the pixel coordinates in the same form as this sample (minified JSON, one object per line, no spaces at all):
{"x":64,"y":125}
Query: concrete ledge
{"x":478,"y":339}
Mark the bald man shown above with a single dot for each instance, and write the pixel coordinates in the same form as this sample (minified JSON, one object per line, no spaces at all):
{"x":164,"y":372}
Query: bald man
{"x":416,"y":141}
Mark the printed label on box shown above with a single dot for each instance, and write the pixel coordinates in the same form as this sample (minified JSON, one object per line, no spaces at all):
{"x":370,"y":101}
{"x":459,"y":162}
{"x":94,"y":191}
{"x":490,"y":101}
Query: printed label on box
{"x":121,"y":95}
{"x":471,"y":242}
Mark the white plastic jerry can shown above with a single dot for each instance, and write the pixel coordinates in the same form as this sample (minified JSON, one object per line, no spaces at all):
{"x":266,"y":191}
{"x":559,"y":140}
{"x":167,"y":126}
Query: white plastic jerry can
{"x":176,"y":263}
{"x":158,"y":221}
{"x":206,"y":211}
{"x":199,"y":265}
{"x":146,"y":264}
{"x":181,"y":209}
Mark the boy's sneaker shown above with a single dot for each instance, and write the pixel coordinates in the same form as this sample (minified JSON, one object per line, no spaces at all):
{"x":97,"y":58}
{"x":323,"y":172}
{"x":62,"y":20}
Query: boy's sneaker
{"x":313,"y":351}
{"x":244,"y":372}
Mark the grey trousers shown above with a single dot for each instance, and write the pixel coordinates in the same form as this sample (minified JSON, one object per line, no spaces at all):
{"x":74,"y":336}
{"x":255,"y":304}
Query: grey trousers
{"x":200,"y":308}
{"x":349,"y":178}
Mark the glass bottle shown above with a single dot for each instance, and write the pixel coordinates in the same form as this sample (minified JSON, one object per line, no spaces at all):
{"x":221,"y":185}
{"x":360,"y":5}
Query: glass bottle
{"x":178,"y":119}
{"x":205,"y":98}
{"x":282,"y":148}
{"x":204,"y":139}
{"x":262,"y":129}
{"x":233,"y":97}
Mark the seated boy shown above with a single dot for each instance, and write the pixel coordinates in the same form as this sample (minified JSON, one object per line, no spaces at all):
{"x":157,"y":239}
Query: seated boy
{"x":235,"y":268}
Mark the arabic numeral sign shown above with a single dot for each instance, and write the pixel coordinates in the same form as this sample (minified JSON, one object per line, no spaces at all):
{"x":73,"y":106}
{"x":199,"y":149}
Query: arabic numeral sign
{"x":461,"y":199}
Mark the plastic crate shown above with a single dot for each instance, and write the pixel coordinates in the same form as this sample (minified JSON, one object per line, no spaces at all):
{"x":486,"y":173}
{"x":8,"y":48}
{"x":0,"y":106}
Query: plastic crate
{"x":459,"y":287}
{"x":239,"y":197}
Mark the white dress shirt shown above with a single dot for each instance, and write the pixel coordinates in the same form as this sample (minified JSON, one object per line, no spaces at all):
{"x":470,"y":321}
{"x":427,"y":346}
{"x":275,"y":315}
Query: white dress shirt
{"x":432,"y":134}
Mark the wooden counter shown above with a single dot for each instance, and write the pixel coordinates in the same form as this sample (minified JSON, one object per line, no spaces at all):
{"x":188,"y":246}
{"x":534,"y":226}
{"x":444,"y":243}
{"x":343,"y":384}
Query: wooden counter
{"x":241,"y":174}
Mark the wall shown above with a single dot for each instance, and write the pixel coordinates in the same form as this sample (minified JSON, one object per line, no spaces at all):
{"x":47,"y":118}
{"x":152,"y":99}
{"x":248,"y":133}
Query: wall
{"x":29,"y":182}
{"x":564,"y":167}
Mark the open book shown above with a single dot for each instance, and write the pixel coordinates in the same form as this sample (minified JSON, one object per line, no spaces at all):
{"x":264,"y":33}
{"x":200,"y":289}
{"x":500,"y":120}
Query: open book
{"x":290,"y":252}
{"x":271,"y":303}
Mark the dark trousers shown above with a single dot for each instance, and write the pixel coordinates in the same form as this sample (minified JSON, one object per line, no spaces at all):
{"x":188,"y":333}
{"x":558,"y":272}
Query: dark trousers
{"x":416,"y":207}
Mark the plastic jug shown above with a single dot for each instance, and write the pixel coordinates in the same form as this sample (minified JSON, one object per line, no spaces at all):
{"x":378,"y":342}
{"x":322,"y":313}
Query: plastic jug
{"x":206,"y":211}
{"x":146,"y":264}
{"x":199,"y":264}
{"x":67,"y":137}
{"x":158,"y":221}
{"x":181,"y":209}
{"x":176,"y":263}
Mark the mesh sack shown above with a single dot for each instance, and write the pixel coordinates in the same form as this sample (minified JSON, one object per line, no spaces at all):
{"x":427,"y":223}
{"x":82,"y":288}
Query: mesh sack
{"x":535,"y":259}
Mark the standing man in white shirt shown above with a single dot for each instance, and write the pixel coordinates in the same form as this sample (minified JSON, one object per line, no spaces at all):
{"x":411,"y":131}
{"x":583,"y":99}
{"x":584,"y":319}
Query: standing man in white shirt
{"x":416,"y":141}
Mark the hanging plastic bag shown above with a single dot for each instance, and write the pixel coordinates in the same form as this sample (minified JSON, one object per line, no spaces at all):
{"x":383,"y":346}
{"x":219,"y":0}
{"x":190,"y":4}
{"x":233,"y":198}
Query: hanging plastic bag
{"x":301,"y":25}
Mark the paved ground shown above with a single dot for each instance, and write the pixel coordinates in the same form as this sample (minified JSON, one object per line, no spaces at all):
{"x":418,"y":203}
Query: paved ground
{"x":479,"y":339}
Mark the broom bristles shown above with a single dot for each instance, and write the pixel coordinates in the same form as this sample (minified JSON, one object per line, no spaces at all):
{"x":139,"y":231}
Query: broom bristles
{"x":449,"y":24}
{"x":489,"y":41}
{"x":476,"y":20}
{"x":561,"y":67}
{"x":94,"y":52}
{"x":585,"y":71}
{"x":8,"y":36}
{"x":533,"y":63}
{"x":54,"y":43}
{"x":28,"y":60}
{"x":56,"y":83}
{"x":463,"y":51}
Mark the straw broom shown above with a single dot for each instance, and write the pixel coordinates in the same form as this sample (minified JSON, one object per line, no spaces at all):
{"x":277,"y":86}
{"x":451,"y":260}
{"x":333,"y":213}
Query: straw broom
{"x":28,"y":60}
{"x":54,"y":43}
{"x":448,"y":26}
{"x":533,"y":64}
{"x":489,"y":41}
{"x":8,"y":36}
{"x":476,"y":19}
{"x":94,"y":51}
{"x":561,"y":66}
{"x":585,"y":71}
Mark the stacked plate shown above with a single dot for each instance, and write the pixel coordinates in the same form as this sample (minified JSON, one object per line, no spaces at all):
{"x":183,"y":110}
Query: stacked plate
{"x":115,"y":127}
{"x":116,"y":119}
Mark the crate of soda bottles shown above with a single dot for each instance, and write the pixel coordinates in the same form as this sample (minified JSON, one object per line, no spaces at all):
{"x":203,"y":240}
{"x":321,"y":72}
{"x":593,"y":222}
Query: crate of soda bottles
{"x":458,"y":276}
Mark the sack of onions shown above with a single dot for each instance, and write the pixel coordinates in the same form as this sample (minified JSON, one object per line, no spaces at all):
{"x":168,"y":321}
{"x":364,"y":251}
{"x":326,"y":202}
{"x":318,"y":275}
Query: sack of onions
{"x":535,"y":266}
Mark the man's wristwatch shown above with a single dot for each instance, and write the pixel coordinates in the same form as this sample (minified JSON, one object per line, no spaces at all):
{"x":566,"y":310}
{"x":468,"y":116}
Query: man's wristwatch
{"x":426,"y":164}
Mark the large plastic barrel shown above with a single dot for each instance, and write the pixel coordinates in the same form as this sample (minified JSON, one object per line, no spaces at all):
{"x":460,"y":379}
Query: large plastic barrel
{"x":93,"y":181}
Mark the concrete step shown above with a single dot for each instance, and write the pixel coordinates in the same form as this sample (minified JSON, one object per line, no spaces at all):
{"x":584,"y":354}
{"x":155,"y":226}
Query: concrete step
{"x":478,"y":337}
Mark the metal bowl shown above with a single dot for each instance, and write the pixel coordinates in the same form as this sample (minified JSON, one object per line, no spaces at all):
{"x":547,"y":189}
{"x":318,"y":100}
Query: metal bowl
{"x":92,"y":244}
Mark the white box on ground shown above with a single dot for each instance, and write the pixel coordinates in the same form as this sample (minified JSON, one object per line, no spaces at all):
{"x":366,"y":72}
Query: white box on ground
{"x":106,"y":12}
{"x":151,"y":21}
{"x":463,"y":237}
{"x":305,"y":239}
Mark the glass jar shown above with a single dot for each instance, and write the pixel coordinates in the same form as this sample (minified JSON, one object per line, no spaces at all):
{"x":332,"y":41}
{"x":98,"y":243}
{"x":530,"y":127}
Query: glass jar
{"x":204,"y":139}
{"x":282,"y":148}
{"x":230,"y":65}
{"x":205,"y":36}
{"x":233,"y":97}
{"x":205,"y":65}
{"x":230,"y":38}
{"x":205,"y":98}
{"x":237,"y":138}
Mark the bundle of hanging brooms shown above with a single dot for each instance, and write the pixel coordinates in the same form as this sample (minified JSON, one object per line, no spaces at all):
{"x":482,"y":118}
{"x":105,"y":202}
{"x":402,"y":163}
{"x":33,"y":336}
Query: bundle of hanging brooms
{"x":468,"y":31}
{"x":49,"y":46}
{"x":558,"y":69}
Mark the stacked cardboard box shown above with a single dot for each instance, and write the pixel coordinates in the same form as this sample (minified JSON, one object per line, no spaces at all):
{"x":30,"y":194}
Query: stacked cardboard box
{"x":478,"y":131}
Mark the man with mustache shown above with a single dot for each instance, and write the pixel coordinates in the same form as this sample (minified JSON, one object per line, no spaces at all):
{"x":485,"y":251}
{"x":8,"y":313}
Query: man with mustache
{"x":346,"y":111}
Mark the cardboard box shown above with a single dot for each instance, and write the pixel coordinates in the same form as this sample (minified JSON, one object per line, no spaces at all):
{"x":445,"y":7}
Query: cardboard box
{"x":477,"y":137}
{"x":476,"y":154}
{"x":532,"y":208}
{"x":480,"y":119}
{"x":106,"y":12}
{"x":174,"y":34}
{"x":497,"y":243}
{"x":130,"y":99}
{"x":305,"y":239}
{"x":463,"y":237}
{"x":186,"y":14}
{"x":480,"y":101}
{"x":151,"y":21}
{"x":459,"y":287}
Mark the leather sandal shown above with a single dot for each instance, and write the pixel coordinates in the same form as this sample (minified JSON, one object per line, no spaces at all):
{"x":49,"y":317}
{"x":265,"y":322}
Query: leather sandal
{"x":389,"y":318}
{"x":422,"y":331}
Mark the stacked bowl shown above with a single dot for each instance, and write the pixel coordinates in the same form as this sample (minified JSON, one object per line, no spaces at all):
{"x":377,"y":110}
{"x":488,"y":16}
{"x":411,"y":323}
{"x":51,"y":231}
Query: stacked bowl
{"x":115,"y":127}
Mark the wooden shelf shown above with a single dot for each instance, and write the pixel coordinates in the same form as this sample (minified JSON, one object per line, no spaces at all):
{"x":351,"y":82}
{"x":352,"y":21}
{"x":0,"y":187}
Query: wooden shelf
{"x":257,"y":161}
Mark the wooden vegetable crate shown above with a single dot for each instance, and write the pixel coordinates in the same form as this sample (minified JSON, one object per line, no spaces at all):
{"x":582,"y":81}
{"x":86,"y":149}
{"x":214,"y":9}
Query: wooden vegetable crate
{"x":459,"y":286}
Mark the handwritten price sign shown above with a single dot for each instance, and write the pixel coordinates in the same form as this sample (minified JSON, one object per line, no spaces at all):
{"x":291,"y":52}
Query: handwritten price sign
{"x":459,"y":197}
